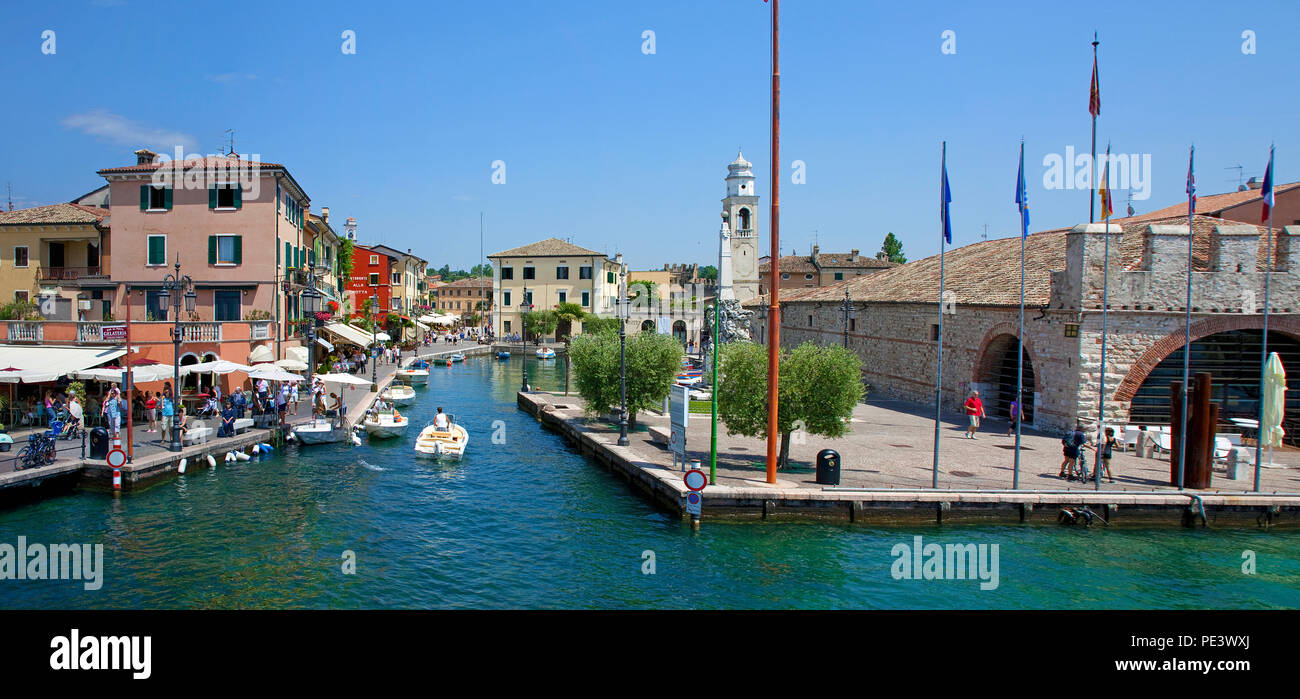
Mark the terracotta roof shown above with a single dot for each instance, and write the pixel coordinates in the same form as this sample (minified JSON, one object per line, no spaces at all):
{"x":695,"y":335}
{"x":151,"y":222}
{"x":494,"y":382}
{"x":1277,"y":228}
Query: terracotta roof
{"x":988,"y":272}
{"x":551,"y":247}
{"x":52,"y":214}
{"x":841,"y":259}
{"x":1209,"y":205}
{"x":790,"y":263}
{"x":204,"y":162}
{"x":473,"y":282}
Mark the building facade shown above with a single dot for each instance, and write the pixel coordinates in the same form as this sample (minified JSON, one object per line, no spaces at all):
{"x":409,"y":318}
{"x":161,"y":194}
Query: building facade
{"x":47,"y":252}
{"x":547,"y":273}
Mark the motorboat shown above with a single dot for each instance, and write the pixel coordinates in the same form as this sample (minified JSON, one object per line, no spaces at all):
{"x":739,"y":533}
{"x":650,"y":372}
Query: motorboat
{"x":688,"y":379}
{"x":503,"y":354}
{"x":414,"y":375}
{"x":545,"y":353}
{"x":386,"y":423}
{"x":457,"y":357}
{"x":322,"y":430}
{"x":400,"y":394}
{"x":438,"y":443}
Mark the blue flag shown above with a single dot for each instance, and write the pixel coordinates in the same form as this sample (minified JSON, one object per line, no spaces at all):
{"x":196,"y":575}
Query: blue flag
{"x":945,"y":198}
{"x":1022,"y":195}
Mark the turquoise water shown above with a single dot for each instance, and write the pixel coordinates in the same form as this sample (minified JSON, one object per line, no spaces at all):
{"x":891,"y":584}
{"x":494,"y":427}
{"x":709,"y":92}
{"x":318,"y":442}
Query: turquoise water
{"x":531,"y":524}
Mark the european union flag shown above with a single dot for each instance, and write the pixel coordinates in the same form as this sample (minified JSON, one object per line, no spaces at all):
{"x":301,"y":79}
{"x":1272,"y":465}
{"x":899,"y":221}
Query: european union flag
{"x":945,"y":197}
{"x":1022,"y":195}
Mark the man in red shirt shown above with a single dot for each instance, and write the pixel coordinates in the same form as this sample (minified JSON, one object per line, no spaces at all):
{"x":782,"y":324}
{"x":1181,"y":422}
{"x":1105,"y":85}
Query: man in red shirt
{"x":974,"y":411}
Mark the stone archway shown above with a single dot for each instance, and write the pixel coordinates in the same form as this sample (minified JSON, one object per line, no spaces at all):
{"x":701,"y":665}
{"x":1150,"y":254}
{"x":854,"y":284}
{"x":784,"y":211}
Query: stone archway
{"x":1167,"y":345}
{"x":995,"y":368}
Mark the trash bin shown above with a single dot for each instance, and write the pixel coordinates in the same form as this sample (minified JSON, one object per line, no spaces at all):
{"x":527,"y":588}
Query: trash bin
{"x":828,"y":467}
{"x":99,"y":443}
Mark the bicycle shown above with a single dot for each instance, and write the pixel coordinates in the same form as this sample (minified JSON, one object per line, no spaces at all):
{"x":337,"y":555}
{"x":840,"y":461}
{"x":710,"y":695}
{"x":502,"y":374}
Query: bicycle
{"x":41,"y":448}
{"x":1079,"y":466}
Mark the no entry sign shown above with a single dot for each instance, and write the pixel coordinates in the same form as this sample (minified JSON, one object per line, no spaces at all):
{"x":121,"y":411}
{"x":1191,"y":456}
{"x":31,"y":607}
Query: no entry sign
{"x":116,"y":458}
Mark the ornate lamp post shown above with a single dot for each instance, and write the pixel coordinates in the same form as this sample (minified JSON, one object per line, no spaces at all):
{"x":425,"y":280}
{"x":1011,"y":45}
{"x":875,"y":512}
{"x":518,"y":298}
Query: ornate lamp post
{"x":622,"y":351}
{"x":524,"y":308}
{"x":374,"y":334}
{"x":847,"y":307}
{"x":311,"y":305}
{"x":184,"y":288}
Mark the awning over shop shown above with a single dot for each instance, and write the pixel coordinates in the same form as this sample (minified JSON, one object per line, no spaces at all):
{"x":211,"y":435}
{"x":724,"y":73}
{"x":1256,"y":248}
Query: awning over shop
{"x":45,"y":363}
{"x":261,"y":353}
{"x":347,"y":333}
{"x":298,"y":353}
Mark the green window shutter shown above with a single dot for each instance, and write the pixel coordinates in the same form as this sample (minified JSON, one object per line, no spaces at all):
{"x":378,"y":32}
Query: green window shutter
{"x":239,"y":249}
{"x":144,"y":197}
{"x":212,"y":249}
{"x":212,"y":196}
{"x":288,"y":254}
{"x":167,"y":198}
{"x":157,"y":246}
{"x":239,"y":196}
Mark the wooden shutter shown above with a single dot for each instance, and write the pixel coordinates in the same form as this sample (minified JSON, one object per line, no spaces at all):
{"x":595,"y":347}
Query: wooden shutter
{"x":157,"y":250}
{"x":144,"y":197}
{"x":212,"y":249}
{"x":239,"y":195}
{"x":167,"y":198}
{"x":239,"y":249}
{"x":212,"y":196}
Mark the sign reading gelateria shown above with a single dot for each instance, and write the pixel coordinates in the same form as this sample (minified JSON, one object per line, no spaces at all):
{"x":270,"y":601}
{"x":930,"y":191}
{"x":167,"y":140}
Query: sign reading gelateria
{"x":113,"y":333}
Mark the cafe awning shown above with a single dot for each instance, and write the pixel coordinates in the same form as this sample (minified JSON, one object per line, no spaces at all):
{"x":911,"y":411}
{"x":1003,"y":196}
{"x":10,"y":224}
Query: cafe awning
{"x":39,"y":363}
{"x":347,"y":333}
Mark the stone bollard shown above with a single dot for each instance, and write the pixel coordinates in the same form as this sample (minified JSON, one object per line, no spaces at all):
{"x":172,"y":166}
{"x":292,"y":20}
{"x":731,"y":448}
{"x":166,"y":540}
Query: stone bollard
{"x":1233,"y":461}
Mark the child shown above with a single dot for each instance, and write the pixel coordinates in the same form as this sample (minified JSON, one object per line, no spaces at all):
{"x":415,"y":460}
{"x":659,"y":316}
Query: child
{"x":1107,"y":448}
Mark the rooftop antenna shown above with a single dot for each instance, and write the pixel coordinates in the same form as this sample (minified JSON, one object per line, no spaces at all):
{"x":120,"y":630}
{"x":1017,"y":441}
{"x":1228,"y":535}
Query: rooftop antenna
{"x":232,"y":141}
{"x":1130,"y":203}
{"x":11,"y":195}
{"x":1240,"y":174}
{"x":986,"y":231}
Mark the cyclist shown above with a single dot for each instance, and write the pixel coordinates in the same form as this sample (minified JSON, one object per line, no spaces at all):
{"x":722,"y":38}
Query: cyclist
{"x":1070,"y":451}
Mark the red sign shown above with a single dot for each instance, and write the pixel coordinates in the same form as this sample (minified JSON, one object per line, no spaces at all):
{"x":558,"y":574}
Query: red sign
{"x":113,"y":333}
{"x":116,"y":458}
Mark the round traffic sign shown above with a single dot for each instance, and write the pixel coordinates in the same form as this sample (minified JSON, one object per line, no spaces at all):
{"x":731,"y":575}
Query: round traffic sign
{"x":695,"y":479}
{"x":116,"y":458}
{"x":693,"y":498}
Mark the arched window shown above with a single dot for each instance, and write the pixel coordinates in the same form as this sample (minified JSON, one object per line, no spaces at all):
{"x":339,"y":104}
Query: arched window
{"x":744,"y":219}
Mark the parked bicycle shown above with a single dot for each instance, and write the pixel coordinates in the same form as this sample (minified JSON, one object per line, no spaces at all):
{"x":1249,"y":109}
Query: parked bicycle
{"x":41,"y":448}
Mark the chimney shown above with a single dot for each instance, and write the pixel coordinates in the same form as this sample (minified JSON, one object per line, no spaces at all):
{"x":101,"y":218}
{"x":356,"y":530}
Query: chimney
{"x":853,"y":255}
{"x":1254,"y":183}
{"x":144,"y":156}
{"x":325,"y":214}
{"x":815,"y":249}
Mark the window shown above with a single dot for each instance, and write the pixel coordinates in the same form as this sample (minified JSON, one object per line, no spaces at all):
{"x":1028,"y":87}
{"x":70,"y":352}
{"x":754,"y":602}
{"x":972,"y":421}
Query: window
{"x":529,"y":273}
{"x":153,"y":305}
{"x":528,"y":298}
{"x":374,"y":259}
{"x":609,"y":277}
{"x":396,"y":303}
{"x":505,"y":298}
{"x":584,"y":272}
{"x":155,"y":198}
{"x":807,"y":277}
{"x":586,"y":297}
{"x":225,"y":196}
{"x":374,"y":279}
{"x":564,"y":296}
{"x":505,"y":326}
{"x":810,"y":323}
{"x":157,"y":250}
{"x":1072,"y":330}
{"x":934,"y":332}
{"x":507,"y":272}
{"x":22,"y":295}
{"x":853,"y":324}
{"x":396,"y":278}
{"x":785,"y":276}
{"x":225,"y":304}
{"x":225,"y":250}
{"x":20,"y":256}
{"x":561,"y":272}
{"x":839,"y":276}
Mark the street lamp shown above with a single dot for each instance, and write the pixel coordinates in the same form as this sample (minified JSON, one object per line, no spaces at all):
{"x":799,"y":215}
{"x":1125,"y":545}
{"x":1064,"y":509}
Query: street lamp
{"x":622,"y":350}
{"x":374,"y":340}
{"x":848,"y":315}
{"x":184,"y":288}
{"x":311,"y":305}
{"x":524,"y":308}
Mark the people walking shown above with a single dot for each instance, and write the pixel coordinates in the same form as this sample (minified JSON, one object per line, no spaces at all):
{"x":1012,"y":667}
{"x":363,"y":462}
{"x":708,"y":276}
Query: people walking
{"x":974,"y":411}
{"x":151,"y":411}
{"x":1107,"y":450}
{"x":293,"y":396}
{"x":1013,"y":415}
{"x":1070,"y":445}
{"x":168,"y":413}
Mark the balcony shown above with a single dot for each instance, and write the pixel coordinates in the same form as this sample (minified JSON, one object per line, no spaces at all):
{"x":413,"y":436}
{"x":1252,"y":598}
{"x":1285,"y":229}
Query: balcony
{"x":201,"y":332}
{"x":67,"y":274}
{"x":260,"y":330}
{"x":26,"y":331}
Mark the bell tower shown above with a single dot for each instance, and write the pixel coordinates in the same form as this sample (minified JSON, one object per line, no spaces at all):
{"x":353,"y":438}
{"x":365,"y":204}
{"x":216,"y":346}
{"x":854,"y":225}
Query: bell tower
{"x":740,"y":209}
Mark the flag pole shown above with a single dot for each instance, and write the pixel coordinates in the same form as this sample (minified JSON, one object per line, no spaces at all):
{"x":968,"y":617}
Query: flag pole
{"x":1187,"y":323}
{"x":1105,"y":305}
{"x":1094,"y":107}
{"x":774,"y":303}
{"x":943,"y":237}
{"x":1022,"y":197}
{"x":1267,"y":197}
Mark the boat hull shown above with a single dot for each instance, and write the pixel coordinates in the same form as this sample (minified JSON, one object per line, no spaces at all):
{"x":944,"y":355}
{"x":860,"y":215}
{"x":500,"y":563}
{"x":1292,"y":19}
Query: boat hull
{"x":400,"y":397}
{"x":432,"y":444}
{"x":414,"y":375}
{"x":319,"y":432}
{"x":386,"y":430}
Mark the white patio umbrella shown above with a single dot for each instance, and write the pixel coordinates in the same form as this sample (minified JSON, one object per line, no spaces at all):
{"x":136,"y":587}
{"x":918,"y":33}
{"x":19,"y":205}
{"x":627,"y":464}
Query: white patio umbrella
{"x":291,"y":365}
{"x":219,"y":366}
{"x":348,"y":379}
{"x":271,"y":372}
{"x":1270,"y":430}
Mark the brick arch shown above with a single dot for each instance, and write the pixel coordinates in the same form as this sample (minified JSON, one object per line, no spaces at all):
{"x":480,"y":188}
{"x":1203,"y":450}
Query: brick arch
{"x":984,"y":359}
{"x":1167,"y":345}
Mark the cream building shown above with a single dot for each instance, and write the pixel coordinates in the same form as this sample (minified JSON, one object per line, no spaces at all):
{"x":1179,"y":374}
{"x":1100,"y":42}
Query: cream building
{"x":548,"y":273}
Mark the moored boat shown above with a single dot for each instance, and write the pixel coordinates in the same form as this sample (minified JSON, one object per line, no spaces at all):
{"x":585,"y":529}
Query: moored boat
{"x":457,"y":357}
{"x":386,"y":424}
{"x":414,"y":375}
{"x":322,"y":431}
{"x":435,"y":443}
{"x":503,"y":354}
{"x":545,"y":353}
{"x":401,"y":394}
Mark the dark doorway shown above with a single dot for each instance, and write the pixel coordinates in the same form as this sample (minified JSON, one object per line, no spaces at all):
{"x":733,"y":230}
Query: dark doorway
{"x":1002,"y":378}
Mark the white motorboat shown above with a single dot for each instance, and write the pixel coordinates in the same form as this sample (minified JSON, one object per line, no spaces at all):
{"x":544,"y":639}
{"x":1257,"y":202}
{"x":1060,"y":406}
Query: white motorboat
{"x":386,"y":424}
{"x":400,"y":394}
{"x":435,"y":443}
{"x":414,"y":375}
{"x":457,"y":357}
{"x":545,"y":353}
{"x":322,"y":431}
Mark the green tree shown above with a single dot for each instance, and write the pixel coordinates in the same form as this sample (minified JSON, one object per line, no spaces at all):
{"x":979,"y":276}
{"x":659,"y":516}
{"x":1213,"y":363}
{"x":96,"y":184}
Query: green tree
{"x":819,"y":388}
{"x":593,"y":324}
{"x":540,"y":323}
{"x":565,"y":314}
{"x":708,"y":272}
{"x":345,"y":258}
{"x":652,"y":363}
{"x":892,"y":249}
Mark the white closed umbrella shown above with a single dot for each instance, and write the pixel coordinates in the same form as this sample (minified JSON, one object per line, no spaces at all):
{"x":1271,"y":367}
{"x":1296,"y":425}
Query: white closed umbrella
{"x":291,"y":365}
{"x":1270,"y":429}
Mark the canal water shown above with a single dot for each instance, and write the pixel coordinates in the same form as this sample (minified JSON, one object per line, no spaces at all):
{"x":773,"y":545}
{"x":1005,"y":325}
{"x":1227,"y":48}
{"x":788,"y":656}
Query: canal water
{"x":529,"y":523}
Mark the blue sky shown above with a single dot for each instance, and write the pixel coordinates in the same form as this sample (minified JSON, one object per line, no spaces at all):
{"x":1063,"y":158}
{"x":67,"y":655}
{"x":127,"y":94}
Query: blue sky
{"x":623,"y":151}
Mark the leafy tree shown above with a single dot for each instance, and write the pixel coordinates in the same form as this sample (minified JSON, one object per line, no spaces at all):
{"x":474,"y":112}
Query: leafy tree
{"x":819,"y":388}
{"x":540,"y":323}
{"x":345,"y":258}
{"x":20,"y":310}
{"x":593,"y":324}
{"x":653,"y":361}
{"x":892,"y":250}
{"x":708,"y":272}
{"x":565,"y":314}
